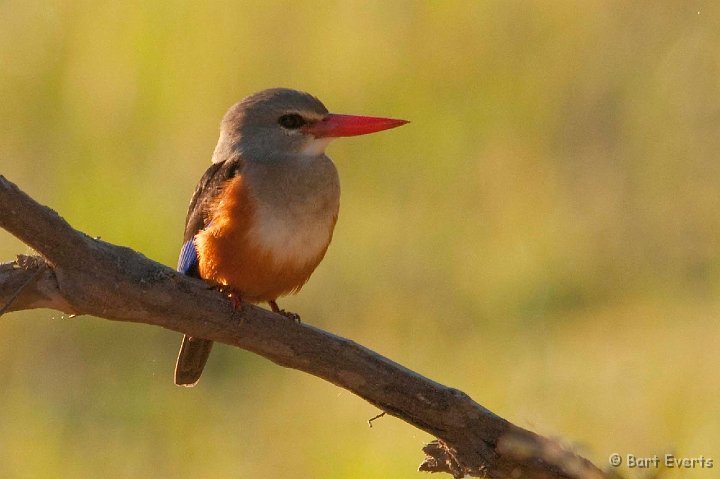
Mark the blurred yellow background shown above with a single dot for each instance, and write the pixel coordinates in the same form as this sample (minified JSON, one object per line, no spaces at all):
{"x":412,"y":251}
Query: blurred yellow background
{"x":544,"y":235}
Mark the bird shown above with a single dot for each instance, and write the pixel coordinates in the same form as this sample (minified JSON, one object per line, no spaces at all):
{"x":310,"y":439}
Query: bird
{"x":263,"y":214}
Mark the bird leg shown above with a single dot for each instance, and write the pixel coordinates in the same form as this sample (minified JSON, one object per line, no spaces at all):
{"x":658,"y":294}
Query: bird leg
{"x":235,"y":300}
{"x":290,"y":315}
{"x":233,"y":296}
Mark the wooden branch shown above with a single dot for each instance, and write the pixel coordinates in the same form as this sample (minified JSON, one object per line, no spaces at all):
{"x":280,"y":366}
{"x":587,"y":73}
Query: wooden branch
{"x":78,"y":274}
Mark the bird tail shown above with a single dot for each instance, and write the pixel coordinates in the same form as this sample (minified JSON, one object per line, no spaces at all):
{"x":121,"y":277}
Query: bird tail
{"x":191,"y":360}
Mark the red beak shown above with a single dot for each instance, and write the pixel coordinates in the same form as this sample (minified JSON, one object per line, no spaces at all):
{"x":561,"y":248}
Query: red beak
{"x":333,"y":125}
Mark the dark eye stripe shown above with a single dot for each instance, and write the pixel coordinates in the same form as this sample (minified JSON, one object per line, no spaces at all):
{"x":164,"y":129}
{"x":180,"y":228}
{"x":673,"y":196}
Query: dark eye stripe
{"x":292,"y":121}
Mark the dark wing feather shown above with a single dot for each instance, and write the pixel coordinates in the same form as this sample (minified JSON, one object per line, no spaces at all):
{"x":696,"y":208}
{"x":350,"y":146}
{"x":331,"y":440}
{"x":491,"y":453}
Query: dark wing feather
{"x":208,"y":188}
{"x":194,"y":352}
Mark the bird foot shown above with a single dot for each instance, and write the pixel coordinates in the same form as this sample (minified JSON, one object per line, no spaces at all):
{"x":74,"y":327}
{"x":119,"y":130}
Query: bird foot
{"x":232,"y":296}
{"x":235,"y":300}
{"x":288,"y":314}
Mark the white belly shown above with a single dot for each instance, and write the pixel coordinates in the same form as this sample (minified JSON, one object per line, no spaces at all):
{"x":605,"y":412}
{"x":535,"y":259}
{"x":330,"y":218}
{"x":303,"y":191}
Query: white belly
{"x":293,"y":238}
{"x":296,"y":205}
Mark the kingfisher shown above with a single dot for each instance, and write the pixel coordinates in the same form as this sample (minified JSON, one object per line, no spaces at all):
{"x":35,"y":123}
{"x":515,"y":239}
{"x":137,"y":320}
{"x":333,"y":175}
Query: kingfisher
{"x":263,"y":214}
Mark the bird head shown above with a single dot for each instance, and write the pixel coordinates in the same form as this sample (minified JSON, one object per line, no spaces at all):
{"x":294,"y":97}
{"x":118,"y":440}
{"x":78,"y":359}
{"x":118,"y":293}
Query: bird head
{"x":281,"y":122}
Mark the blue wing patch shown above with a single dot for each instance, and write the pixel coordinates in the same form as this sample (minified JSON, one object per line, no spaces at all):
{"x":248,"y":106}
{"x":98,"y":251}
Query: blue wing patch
{"x":188,"y":260}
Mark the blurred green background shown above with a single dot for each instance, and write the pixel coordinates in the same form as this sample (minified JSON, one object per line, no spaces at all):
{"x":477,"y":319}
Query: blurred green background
{"x":544,"y":235}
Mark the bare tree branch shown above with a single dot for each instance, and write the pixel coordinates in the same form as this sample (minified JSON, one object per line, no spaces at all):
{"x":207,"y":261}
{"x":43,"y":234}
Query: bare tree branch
{"x":78,"y":274}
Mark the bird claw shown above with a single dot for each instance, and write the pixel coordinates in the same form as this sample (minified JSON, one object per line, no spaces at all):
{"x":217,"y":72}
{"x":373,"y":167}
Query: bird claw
{"x":232,"y":296}
{"x":236,"y":301}
{"x":288,"y":314}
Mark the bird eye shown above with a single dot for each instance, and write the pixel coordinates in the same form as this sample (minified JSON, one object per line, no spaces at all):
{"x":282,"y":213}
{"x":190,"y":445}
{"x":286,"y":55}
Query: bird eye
{"x":292,"y":121}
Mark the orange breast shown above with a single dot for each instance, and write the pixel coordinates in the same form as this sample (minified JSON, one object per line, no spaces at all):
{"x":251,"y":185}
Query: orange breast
{"x":229,"y":253}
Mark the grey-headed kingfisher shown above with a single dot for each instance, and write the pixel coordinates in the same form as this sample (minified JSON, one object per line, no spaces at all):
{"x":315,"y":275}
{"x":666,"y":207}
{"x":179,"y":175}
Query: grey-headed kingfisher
{"x":263,"y":214}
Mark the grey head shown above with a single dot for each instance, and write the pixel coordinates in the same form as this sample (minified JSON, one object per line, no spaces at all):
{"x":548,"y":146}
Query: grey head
{"x":271,"y":125}
{"x":281,"y":124}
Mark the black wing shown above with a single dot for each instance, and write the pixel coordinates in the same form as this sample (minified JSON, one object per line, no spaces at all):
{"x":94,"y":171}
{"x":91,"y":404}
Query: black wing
{"x":206,"y":191}
{"x":208,"y":188}
{"x":194,"y":352}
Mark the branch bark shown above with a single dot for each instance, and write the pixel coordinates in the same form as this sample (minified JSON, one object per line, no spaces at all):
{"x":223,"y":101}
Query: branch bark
{"x":77,"y":274}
